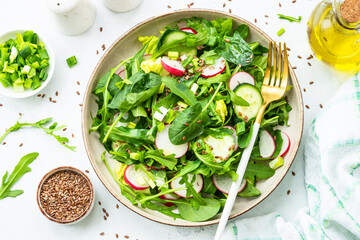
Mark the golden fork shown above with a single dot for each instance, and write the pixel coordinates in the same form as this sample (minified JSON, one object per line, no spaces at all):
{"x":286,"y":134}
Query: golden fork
{"x":273,"y":88}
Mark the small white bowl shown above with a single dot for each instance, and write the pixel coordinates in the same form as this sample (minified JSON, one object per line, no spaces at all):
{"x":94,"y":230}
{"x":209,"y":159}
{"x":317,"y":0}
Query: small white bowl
{"x":9,"y":91}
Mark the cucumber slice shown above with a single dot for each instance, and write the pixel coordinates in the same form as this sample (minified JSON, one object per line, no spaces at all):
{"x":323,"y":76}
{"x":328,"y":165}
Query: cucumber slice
{"x":253,"y":96}
{"x":189,"y":52}
{"x":221,"y":148}
{"x":171,"y":35}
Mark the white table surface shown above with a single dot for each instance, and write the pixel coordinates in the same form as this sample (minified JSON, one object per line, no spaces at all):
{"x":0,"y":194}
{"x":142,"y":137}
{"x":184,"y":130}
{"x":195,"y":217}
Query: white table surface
{"x":21,"y":218}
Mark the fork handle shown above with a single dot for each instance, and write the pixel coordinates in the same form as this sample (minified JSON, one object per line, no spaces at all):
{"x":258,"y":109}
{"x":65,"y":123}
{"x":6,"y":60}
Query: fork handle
{"x":236,"y":185}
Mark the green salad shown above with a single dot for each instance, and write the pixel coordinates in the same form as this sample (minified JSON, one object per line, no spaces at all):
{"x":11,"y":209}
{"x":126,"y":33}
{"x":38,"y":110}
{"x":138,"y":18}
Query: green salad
{"x":178,"y":114}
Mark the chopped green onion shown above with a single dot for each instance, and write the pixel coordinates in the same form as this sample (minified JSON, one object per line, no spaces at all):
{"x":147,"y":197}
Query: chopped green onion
{"x":281,"y":32}
{"x":173,"y":55}
{"x":43,"y":54}
{"x":276,"y":163}
{"x":291,"y":19}
{"x":71,"y":61}
{"x":25,"y":52}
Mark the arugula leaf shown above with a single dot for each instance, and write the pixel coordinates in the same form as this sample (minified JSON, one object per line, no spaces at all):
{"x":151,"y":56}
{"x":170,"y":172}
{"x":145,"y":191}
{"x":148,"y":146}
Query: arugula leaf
{"x":129,"y":135}
{"x":167,"y":161}
{"x":244,"y":139}
{"x":133,"y":66}
{"x":209,"y":186}
{"x":216,"y":79}
{"x":20,"y":169}
{"x":203,"y":213}
{"x":39,"y":124}
{"x":258,"y":170}
{"x":180,"y":90}
{"x":235,"y":50}
{"x":144,"y":85}
{"x":249,"y":191}
{"x":290,"y":19}
{"x":237,"y":100}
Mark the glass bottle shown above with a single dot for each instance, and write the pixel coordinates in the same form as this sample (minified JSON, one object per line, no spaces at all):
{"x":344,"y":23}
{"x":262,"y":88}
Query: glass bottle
{"x":334,"y":35}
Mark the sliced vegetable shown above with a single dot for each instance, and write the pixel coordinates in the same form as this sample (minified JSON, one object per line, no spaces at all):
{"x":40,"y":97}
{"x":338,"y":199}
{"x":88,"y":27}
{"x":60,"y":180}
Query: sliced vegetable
{"x":71,"y":61}
{"x":276,"y":163}
{"x":163,"y":142}
{"x":266,"y":144}
{"x":137,"y":177}
{"x":234,"y":135}
{"x":172,"y":66}
{"x":220,"y":147}
{"x":214,"y":69}
{"x":252,"y":95}
{"x":240,"y":78}
{"x":223,"y":183}
{"x":285,"y":145}
{"x":196,"y":181}
{"x":189,"y":30}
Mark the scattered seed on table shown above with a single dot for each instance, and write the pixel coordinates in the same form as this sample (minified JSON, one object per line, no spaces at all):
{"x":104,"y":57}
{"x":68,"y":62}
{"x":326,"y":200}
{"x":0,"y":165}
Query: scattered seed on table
{"x":50,"y":99}
{"x":101,"y":29}
{"x":293,"y":173}
{"x":288,"y":192}
{"x":77,"y":92}
{"x":21,"y":144}
{"x":78,"y":83}
{"x":105,"y":218}
{"x":97,"y":52}
{"x":294,"y":67}
{"x":266,"y":16}
{"x":307,"y":106}
{"x":104,"y":210}
{"x":168,"y":6}
{"x":117,"y":235}
{"x":43,"y":95}
{"x":312,"y":82}
{"x":321,"y":106}
{"x":20,"y":114}
{"x":99,"y":202}
{"x":56,"y":93}
{"x":4,"y":143}
{"x":1,"y":105}
{"x":279,"y":4}
{"x":304,"y":89}
{"x":39,"y":95}
{"x":117,"y":205}
{"x":294,"y":1}
{"x":87,"y":171}
{"x":310,"y":57}
{"x":80,"y":104}
{"x":288,"y":49}
{"x":230,"y":10}
{"x":188,"y":5}
{"x":191,"y":4}
{"x":64,"y":129}
{"x":126,"y":236}
{"x":299,"y":56}
{"x":103,"y":47}
{"x":107,"y":214}
{"x":102,"y":234}
{"x":224,"y":5}
{"x":72,"y":135}
{"x":255,"y":20}
{"x":53,"y":101}
{"x":266,"y":23}
{"x":309,"y":64}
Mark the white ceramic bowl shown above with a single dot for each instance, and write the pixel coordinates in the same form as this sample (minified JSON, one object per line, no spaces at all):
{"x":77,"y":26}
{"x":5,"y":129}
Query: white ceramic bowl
{"x":9,"y":91}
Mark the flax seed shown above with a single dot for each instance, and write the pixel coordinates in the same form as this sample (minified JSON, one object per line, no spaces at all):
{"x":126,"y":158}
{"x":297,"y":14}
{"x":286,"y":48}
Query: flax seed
{"x":87,"y":171}
{"x":105,"y":218}
{"x":117,"y":206}
{"x":99,"y":202}
{"x":294,"y":67}
{"x":80,"y":104}
{"x":288,"y":192}
{"x":224,"y":5}
{"x":266,"y":16}
{"x":307,"y":106}
{"x":21,"y":144}
{"x":230,"y":10}
{"x":43,"y":95}
{"x":279,"y":4}
{"x":309,"y":64}
{"x":293,"y":173}
{"x":294,"y":1}
{"x":97,"y":52}
{"x":72,"y":135}
{"x":255,"y":20}
{"x":53,"y":101}
{"x":56,"y":93}
{"x":183,"y":138}
{"x":78,"y":83}
{"x":3,"y":143}
{"x":126,"y":236}
{"x":50,"y":99}
{"x":102,"y":234}
{"x":191,"y":4}
{"x":299,"y":56}
{"x":304,"y":89}
{"x":168,"y":6}
{"x":117,"y":235}
{"x":39,"y":95}
{"x":101,"y":29}
{"x":77,"y":92}
{"x":312,"y":82}
{"x":321,"y":106}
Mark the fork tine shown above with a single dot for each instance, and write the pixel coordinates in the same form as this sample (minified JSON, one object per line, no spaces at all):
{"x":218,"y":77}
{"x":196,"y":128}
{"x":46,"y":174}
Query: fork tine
{"x":285,"y":77}
{"x":273,"y":76}
{"x":277,"y":84}
{"x":268,"y":68}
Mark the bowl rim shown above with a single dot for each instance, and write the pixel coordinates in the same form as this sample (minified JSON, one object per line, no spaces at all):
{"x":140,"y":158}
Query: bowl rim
{"x":88,"y":93}
{"x":50,"y":71}
{"x":52,"y":172}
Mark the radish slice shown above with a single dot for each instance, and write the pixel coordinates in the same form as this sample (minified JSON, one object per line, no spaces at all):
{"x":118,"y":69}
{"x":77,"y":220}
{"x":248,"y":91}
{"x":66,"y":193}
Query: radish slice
{"x":239,"y":78}
{"x":223,"y":183}
{"x":189,"y":30}
{"x":169,"y":196}
{"x":214,"y":69}
{"x":234,"y":136}
{"x":197,"y":184}
{"x":162,"y":141}
{"x":267,"y":144}
{"x":172,"y":66}
{"x":286,"y":144}
{"x":136,"y":178}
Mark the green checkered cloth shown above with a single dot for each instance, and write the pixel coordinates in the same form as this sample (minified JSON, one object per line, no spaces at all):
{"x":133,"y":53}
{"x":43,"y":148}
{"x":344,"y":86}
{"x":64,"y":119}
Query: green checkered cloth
{"x":332,"y":179}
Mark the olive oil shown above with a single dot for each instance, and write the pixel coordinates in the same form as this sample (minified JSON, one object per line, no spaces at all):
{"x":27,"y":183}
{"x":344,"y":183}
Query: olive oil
{"x":332,"y":39}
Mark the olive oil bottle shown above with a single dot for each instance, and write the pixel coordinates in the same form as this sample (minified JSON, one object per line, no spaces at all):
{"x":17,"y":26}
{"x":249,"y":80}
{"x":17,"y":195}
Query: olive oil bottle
{"x":334,"y":33}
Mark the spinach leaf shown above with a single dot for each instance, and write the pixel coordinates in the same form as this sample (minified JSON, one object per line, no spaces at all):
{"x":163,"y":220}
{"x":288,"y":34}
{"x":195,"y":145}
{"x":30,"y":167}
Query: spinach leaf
{"x":223,"y":26}
{"x":187,"y":125}
{"x":134,"y":65}
{"x":144,"y":85}
{"x":139,"y":111}
{"x":243,"y":30}
{"x":167,"y":161}
{"x":180,"y":90}
{"x":258,"y":170}
{"x":112,"y":88}
{"x":20,"y":169}
{"x":249,"y":191}
{"x":235,"y":50}
{"x":244,"y":139}
{"x":237,"y":100}
{"x":134,"y":136}
{"x":203,"y":213}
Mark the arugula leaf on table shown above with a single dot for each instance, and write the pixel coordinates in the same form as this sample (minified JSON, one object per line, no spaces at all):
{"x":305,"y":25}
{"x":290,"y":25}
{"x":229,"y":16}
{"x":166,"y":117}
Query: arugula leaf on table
{"x":180,"y":90}
{"x":39,"y":124}
{"x":203,"y":213}
{"x":167,"y":161}
{"x":20,"y":169}
{"x":235,"y":50}
{"x":290,"y":19}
